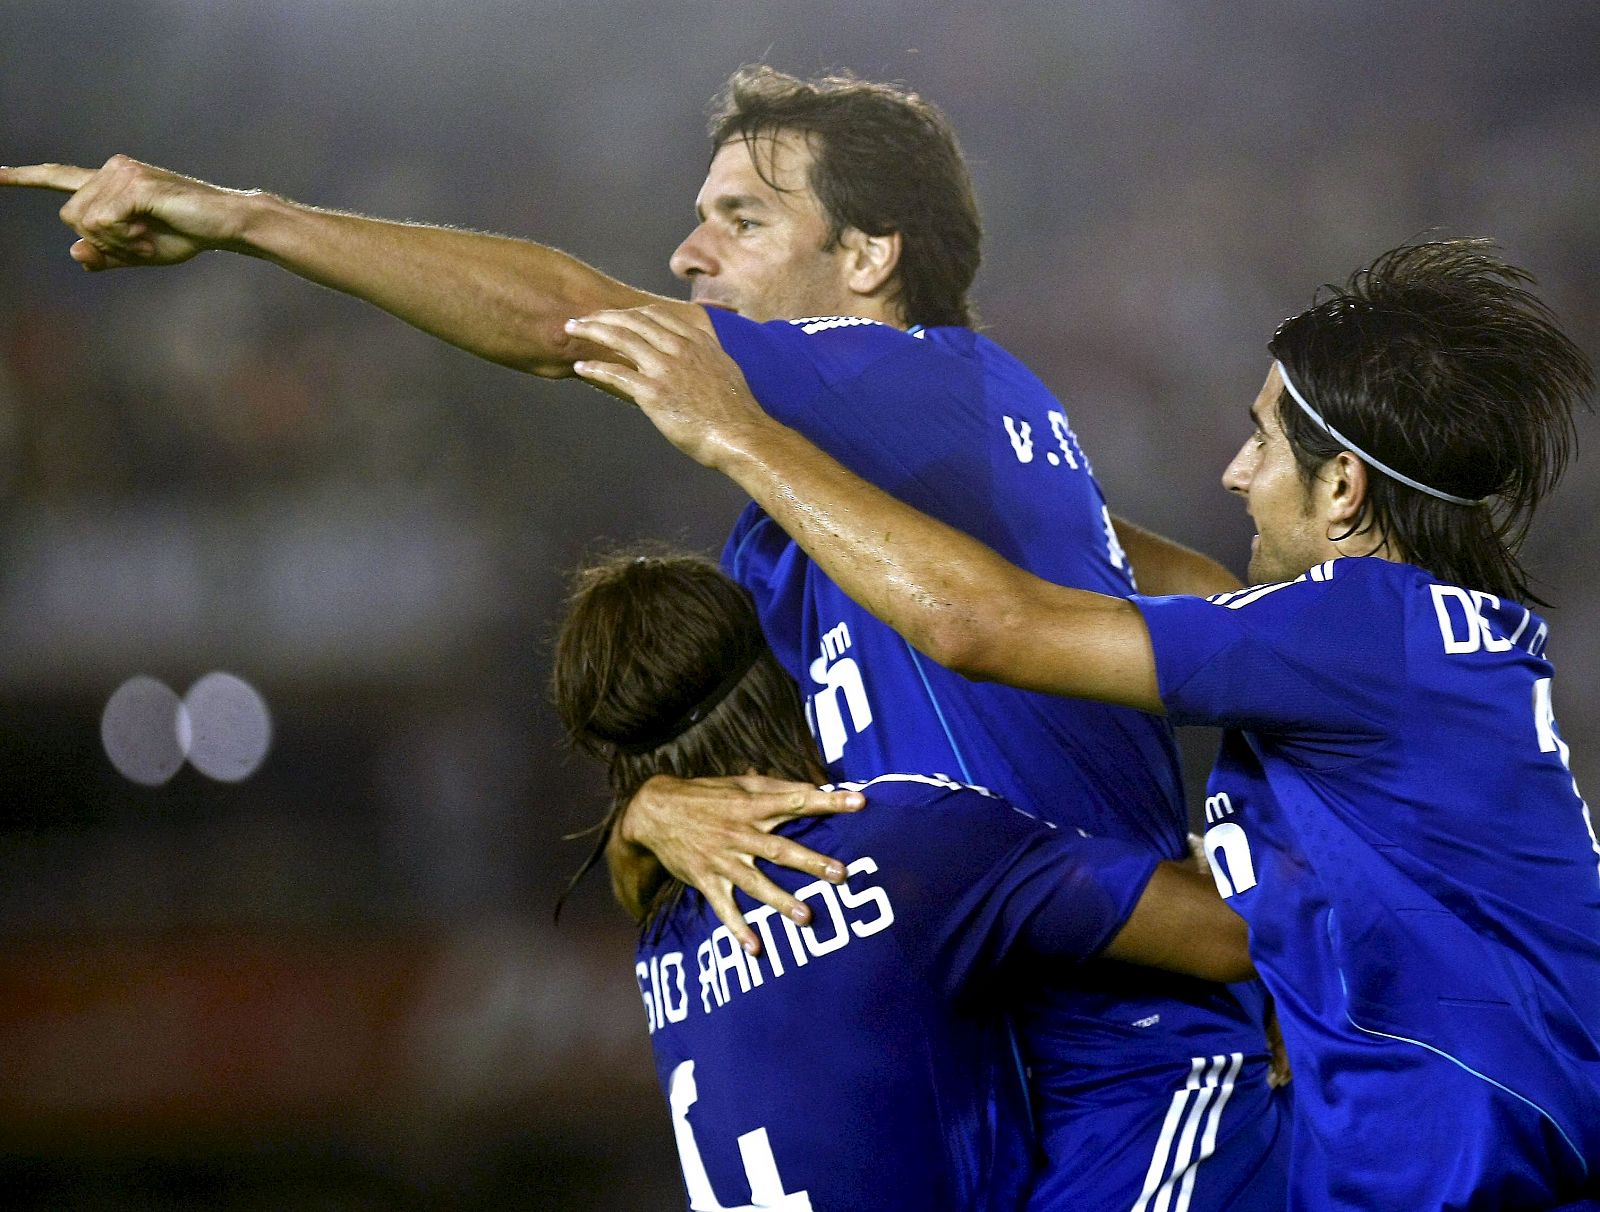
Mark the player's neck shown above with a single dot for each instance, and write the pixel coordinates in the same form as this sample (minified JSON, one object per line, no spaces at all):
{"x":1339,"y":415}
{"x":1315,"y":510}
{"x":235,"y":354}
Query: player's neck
{"x":1383,"y":547}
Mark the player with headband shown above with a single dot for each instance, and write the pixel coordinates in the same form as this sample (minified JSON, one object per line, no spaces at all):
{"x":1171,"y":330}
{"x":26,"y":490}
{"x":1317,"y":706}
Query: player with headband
{"x":865,"y":1061}
{"x":1392,"y":810}
{"x":848,"y":202}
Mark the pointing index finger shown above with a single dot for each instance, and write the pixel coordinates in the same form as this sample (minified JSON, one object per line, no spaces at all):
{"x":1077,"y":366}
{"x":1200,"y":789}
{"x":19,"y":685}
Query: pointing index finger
{"x":64,"y":178}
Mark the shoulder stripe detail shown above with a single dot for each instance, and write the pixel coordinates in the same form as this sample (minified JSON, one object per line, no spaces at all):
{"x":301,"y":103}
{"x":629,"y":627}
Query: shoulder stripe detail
{"x":1243,"y":597}
{"x":816,"y":324}
{"x":931,"y":780}
{"x":1254,"y":593}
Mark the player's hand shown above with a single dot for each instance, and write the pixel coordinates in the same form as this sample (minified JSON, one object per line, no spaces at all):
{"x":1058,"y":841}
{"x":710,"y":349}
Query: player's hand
{"x":709,"y":832}
{"x":673,"y":367}
{"x":127,"y":213}
{"x":1279,"y":1071}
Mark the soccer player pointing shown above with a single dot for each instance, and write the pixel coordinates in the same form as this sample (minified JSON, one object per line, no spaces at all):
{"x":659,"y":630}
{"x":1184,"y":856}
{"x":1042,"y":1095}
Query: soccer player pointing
{"x":1391,"y":810}
{"x":847,"y":202}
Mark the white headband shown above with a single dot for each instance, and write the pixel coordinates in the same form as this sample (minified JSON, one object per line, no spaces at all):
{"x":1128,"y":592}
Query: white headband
{"x":1363,"y":455}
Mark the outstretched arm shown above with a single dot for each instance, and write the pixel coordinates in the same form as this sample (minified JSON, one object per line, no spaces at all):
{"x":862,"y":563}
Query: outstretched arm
{"x":949,"y":595}
{"x":499,"y":298}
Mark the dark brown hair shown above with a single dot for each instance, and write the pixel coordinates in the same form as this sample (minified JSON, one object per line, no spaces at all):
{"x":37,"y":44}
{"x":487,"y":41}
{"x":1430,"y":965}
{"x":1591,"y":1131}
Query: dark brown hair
{"x":884,"y":160}
{"x":646,"y":638}
{"x":1438,"y":361}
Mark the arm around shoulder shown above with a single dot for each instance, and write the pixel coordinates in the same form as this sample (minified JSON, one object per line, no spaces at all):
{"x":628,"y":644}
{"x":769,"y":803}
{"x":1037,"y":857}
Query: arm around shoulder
{"x":1182,"y":925}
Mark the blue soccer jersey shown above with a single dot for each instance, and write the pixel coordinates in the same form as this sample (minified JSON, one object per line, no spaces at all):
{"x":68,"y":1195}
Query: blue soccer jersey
{"x":950,"y":423}
{"x":1128,"y":1066}
{"x":865,"y":1061}
{"x":1393,"y":814}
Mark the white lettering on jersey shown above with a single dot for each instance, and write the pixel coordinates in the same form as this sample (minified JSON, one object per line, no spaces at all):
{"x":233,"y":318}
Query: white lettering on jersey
{"x":859,"y":900}
{"x":835,"y":642}
{"x":767,"y":1193}
{"x":858,"y":908}
{"x":1228,"y":855}
{"x":840,"y":679}
{"x":1020,"y":431}
{"x":1021,"y":439}
{"x":661,"y":982}
{"x":1544,"y":726}
{"x":1064,"y":439}
{"x":1217,"y":807}
{"x":1464,"y":629}
{"x":1114,"y":552}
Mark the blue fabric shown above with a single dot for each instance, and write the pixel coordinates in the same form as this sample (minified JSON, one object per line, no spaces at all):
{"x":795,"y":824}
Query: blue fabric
{"x":949,"y":422}
{"x":874,"y":1047}
{"x":1393,"y":814}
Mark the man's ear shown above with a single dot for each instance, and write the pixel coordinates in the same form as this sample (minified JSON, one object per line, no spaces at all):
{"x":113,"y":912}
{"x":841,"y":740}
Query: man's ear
{"x":1344,"y":489}
{"x":870,"y":260}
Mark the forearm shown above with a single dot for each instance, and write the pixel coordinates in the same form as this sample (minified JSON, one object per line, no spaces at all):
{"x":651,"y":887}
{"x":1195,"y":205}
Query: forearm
{"x":949,"y":595}
{"x":1162,"y":566}
{"x":636,"y":874}
{"x":1182,"y":925}
{"x":499,"y":298}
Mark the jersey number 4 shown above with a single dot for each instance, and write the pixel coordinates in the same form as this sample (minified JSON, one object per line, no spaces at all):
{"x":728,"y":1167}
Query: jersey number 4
{"x":760,"y":1167}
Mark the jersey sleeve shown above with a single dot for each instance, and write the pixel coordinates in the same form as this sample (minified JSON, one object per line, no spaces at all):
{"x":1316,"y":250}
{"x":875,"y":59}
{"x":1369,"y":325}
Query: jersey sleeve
{"x":865,"y":393}
{"x":1323,"y":656}
{"x":993,"y":885}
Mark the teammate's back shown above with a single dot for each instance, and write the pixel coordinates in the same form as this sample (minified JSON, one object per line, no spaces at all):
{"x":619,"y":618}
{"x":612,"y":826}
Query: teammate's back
{"x":865,"y":1061}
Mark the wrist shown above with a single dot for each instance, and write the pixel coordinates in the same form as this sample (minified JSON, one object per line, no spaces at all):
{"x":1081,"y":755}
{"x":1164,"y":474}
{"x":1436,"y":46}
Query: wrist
{"x":627,"y":830}
{"x":751,"y":450}
{"x":266,"y":225}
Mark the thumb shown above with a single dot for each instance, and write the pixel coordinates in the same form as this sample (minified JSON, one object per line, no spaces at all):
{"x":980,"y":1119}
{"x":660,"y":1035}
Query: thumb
{"x":89,"y":256}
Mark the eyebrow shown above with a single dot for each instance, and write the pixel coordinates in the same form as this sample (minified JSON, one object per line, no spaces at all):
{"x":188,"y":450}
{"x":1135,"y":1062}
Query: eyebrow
{"x":729,"y":203}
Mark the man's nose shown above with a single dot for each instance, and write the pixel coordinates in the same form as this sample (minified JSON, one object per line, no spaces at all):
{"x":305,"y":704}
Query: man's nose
{"x":693,"y":256}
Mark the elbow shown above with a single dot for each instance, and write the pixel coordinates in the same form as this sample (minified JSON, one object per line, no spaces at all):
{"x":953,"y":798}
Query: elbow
{"x":548,"y":351}
{"x":970,"y":643}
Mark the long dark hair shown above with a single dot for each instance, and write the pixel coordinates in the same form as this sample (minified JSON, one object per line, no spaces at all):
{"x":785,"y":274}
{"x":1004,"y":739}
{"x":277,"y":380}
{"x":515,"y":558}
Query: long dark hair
{"x":645,"y":641}
{"x":1438,"y":361}
{"x":884,"y":160}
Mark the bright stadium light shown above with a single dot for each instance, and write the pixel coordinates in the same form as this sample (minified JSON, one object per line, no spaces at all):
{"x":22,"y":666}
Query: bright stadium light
{"x":228,"y":727}
{"x":140,"y":729}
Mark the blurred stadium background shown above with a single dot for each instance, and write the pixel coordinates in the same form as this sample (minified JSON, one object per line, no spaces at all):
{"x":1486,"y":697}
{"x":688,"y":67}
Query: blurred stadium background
{"x":333,"y":981}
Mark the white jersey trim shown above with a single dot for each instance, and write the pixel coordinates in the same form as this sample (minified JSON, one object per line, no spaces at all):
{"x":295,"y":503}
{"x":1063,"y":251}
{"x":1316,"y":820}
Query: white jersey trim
{"x":1240,"y":598}
{"x":931,"y":780}
{"x":1174,"y":1164}
{"x":815,"y":324}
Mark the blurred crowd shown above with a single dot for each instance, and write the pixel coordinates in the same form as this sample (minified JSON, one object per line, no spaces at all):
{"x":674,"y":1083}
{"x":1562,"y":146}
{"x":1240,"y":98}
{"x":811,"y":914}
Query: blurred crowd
{"x":220,"y":467}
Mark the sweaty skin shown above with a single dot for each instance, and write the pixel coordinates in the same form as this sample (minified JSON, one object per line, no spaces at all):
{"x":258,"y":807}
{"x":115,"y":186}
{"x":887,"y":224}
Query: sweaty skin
{"x":759,"y":247}
{"x":954,"y":599}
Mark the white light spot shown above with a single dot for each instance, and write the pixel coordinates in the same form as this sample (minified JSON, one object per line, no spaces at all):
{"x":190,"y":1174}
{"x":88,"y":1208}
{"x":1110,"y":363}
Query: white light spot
{"x":185,"y":729}
{"x":138,"y":730}
{"x":228,"y":726}
{"x":1055,"y":459}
